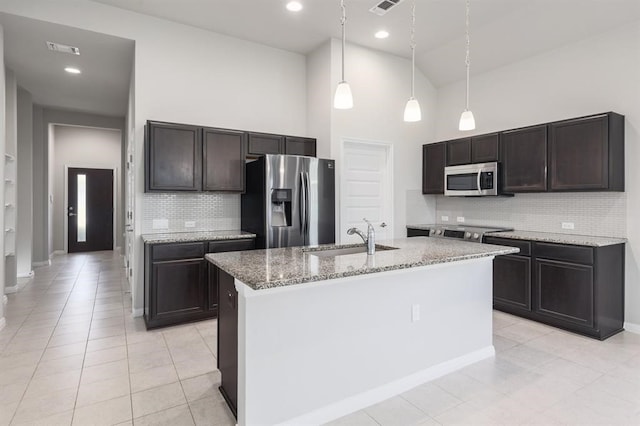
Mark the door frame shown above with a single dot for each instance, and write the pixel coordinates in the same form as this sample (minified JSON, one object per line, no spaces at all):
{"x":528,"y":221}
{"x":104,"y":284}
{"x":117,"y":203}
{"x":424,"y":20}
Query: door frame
{"x":66,"y":201}
{"x":389,"y":186}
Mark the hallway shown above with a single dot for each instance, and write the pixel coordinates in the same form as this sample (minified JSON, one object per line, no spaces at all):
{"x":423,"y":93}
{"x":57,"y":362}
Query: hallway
{"x":72,"y":354}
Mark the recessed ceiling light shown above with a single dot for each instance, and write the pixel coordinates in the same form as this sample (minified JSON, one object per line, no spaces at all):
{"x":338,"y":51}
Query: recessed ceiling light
{"x":382,"y":34}
{"x":72,"y":70}
{"x":294,"y":6}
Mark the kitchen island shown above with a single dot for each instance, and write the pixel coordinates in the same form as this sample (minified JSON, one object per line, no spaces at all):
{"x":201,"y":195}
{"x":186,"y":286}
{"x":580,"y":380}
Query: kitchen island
{"x":319,"y":335}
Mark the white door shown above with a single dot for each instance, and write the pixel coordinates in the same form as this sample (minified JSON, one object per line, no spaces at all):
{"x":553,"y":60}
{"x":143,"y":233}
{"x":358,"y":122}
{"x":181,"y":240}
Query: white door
{"x":366,"y":189}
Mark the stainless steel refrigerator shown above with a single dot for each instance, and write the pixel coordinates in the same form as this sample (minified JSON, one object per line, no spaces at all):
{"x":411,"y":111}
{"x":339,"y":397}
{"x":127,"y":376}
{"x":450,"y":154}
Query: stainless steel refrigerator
{"x":289,"y":201}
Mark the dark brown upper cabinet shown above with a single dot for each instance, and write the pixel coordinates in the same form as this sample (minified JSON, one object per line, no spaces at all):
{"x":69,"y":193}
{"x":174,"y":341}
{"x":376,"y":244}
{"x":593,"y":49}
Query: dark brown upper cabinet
{"x":300,"y":146}
{"x":223,"y":160}
{"x":264,"y":143}
{"x":587,"y":154}
{"x":459,"y":152}
{"x":434,"y":158}
{"x":485,"y":148}
{"x":524,"y":157}
{"x":174,"y":157}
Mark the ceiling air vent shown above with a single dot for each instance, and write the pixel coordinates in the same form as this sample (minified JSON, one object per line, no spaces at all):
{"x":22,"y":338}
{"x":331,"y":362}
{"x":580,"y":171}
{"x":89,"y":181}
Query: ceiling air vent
{"x":62,"y":48}
{"x":384,"y":6}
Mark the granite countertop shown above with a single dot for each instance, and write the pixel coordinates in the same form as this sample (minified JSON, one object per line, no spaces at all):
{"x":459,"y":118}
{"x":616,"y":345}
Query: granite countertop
{"x":176,"y":237}
{"x":579,"y":240}
{"x":262,"y":269}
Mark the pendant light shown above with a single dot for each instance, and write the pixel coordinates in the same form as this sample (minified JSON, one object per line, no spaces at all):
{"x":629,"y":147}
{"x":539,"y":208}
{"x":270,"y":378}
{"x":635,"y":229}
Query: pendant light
{"x":467,"y":122}
{"x":412,"y":109}
{"x":342,"y":98}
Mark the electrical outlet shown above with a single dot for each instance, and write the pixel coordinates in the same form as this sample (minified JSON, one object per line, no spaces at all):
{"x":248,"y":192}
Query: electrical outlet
{"x":444,"y":218}
{"x":160,"y":224}
{"x":415,"y":313}
{"x":460,"y":219}
{"x":189,"y":223}
{"x":568,"y":225}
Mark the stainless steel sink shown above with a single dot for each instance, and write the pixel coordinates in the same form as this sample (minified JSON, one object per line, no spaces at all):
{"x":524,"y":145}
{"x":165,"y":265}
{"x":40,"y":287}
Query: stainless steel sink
{"x":341,"y":251}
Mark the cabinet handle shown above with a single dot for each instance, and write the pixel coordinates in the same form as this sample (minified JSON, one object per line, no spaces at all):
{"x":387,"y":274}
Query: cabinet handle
{"x":232,"y":299}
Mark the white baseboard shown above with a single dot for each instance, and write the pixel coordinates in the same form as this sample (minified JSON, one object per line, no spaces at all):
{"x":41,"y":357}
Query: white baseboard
{"x":381,"y":393}
{"x":43,"y":263}
{"x":137,"y":312}
{"x":27,"y":275}
{"x":57,"y":253}
{"x":16,"y":288}
{"x":631,"y":327}
{"x":5,"y":299}
{"x":3,"y":322}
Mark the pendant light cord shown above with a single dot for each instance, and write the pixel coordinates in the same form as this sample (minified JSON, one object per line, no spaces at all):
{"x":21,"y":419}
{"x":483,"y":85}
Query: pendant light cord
{"x":413,"y":47}
{"x":343,"y":20}
{"x":467,"y":60}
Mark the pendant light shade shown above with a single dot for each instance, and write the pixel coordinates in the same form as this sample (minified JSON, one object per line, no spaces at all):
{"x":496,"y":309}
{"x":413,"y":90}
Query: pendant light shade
{"x":467,"y":122}
{"x":343,"y":98}
{"x":412,"y":110}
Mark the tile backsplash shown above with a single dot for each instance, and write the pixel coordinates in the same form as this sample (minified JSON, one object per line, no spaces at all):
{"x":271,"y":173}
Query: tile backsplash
{"x":209,"y":212}
{"x":601,"y":213}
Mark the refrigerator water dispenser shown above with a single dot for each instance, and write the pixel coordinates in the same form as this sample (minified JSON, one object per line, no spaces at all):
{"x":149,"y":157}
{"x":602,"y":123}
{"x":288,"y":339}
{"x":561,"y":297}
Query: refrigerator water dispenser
{"x":280,"y":207}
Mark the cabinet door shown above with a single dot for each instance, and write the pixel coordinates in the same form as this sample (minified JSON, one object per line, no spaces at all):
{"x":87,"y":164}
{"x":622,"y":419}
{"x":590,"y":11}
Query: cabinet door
{"x":228,"y":338}
{"x":300,"y":146}
{"x":173,"y":157}
{"x":524,"y":157}
{"x":262,"y":143}
{"x":579,"y":154}
{"x":459,"y":152}
{"x":512,"y":282}
{"x":485,"y":148}
{"x":223,"y":160}
{"x":564,"y":291}
{"x":433,"y":162}
{"x":219,"y":247}
{"x":178,"y":290}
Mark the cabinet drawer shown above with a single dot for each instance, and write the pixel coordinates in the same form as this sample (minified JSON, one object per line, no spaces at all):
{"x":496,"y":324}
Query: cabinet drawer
{"x":231,"y":245}
{"x":524,"y":246}
{"x":177,"y":251}
{"x":567,"y":253}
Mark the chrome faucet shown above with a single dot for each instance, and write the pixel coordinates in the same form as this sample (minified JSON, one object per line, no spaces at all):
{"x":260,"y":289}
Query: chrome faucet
{"x":369,"y":240}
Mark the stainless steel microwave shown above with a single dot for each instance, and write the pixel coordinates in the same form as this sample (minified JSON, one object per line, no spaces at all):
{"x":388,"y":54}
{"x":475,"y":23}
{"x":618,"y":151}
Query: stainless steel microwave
{"x":471,"y":180}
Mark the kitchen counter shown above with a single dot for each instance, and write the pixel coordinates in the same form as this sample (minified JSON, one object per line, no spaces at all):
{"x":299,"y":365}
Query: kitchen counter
{"x":424,"y":227}
{"x":548,"y":237}
{"x":262,"y":269}
{"x":176,"y":237}
{"x":292,"y":319}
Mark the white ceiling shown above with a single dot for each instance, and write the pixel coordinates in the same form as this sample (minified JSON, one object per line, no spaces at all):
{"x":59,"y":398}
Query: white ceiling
{"x":105,"y":61}
{"x":502,"y":31}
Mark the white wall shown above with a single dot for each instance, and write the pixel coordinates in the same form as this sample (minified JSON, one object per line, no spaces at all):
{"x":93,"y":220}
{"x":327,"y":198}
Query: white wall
{"x":2,"y":145}
{"x":591,"y":76}
{"x":381,"y":86}
{"x":24,"y":229}
{"x":185,"y":74}
{"x":88,"y":147}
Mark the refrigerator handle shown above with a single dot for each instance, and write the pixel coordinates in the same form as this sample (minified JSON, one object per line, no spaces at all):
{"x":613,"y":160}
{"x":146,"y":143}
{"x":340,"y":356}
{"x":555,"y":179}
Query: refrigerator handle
{"x":303,"y":204}
{"x":308,"y":201}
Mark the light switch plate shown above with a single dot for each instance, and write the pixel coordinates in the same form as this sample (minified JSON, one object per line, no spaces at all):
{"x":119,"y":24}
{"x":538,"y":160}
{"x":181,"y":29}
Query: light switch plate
{"x":460,"y":219}
{"x":189,"y":223}
{"x":444,"y":218}
{"x":160,"y":224}
{"x":568,"y":225}
{"x":415,"y":313}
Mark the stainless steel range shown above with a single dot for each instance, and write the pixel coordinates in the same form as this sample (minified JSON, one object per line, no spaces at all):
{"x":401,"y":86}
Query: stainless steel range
{"x":464,"y":232}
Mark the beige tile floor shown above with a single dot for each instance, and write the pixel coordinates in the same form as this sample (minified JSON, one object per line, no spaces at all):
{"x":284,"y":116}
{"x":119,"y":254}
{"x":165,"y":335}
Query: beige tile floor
{"x":72,"y":354}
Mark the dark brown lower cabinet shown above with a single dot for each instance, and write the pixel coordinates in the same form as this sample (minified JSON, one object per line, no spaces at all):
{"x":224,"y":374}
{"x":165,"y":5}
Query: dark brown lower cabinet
{"x":228,"y":338}
{"x":179,"y":285}
{"x":577,"y":288}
